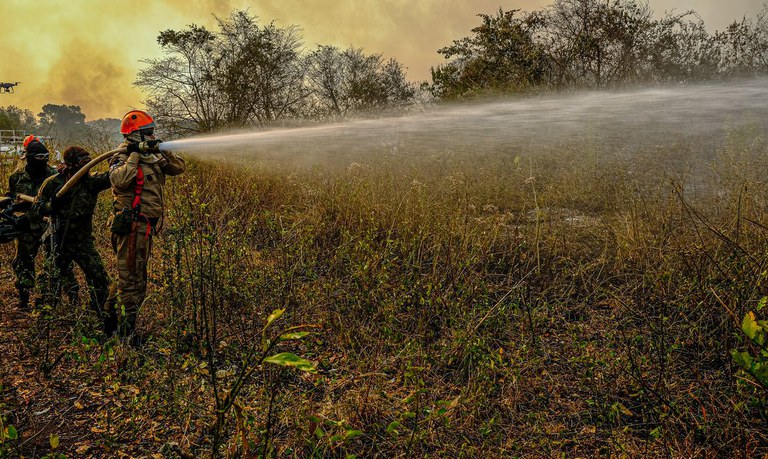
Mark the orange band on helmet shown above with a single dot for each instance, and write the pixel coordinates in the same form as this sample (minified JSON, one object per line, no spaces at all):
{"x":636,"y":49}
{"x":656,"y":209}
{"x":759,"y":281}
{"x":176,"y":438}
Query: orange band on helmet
{"x":28,"y":139}
{"x":136,"y":120}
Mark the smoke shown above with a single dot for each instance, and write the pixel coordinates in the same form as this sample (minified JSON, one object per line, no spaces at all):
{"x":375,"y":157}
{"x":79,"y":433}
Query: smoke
{"x":87,"y":52}
{"x":87,"y":73}
{"x":408,"y":31}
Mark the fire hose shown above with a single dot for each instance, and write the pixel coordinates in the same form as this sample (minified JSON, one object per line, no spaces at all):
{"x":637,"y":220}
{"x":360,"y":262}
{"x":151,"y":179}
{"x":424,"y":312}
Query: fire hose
{"x":145,"y":147}
{"x":85,"y":169}
{"x":9,"y":224}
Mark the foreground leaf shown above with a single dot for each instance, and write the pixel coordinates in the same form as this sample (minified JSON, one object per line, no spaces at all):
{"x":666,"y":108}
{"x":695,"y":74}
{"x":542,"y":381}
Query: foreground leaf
{"x":292,"y":336}
{"x":749,"y":325}
{"x":352,"y":434}
{"x":744,"y":359}
{"x":276,"y":314}
{"x":287,"y":359}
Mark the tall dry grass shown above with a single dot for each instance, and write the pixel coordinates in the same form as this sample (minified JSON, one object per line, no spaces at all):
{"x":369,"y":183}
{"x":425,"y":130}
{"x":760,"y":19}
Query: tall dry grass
{"x":565,"y":301}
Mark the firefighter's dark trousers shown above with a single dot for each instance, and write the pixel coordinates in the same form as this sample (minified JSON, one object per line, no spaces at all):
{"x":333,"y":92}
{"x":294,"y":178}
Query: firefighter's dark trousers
{"x":83,"y":252}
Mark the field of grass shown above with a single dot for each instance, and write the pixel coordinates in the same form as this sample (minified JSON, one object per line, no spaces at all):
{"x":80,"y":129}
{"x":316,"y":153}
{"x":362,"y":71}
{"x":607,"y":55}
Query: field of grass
{"x":567,"y":301}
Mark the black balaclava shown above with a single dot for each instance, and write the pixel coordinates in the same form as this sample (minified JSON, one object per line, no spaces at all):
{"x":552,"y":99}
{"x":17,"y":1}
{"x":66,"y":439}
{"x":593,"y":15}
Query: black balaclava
{"x":37,"y":159}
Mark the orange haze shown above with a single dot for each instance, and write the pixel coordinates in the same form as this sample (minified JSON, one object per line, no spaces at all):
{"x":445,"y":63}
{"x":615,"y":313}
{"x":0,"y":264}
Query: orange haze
{"x":86,"y":52}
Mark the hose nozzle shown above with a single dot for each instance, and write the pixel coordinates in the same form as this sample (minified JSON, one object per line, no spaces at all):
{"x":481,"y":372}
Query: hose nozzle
{"x":150,"y":146}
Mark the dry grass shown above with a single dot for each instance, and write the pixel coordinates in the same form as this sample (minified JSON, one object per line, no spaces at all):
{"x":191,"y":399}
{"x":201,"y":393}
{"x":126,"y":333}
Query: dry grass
{"x":568,"y":302}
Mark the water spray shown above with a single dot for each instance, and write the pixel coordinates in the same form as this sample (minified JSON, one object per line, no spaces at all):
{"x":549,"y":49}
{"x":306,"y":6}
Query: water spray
{"x":618,"y":119}
{"x":621,"y":120}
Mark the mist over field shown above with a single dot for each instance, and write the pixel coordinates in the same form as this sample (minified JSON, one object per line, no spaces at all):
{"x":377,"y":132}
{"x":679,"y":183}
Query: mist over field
{"x":612,"y":120}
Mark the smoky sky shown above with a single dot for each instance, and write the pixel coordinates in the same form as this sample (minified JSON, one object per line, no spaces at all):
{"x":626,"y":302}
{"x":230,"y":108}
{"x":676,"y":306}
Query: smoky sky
{"x":87,"y":52}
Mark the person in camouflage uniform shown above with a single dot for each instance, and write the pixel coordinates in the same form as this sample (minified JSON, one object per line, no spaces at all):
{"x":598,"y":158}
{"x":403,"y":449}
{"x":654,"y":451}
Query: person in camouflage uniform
{"x":72,"y":229}
{"x":25,"y":182}
{"x":138,"y":183}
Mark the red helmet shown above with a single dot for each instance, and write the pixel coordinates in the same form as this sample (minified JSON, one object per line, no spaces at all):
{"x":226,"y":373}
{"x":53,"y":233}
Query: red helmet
{"x":28,"y":139}
{"x":136,"y":120}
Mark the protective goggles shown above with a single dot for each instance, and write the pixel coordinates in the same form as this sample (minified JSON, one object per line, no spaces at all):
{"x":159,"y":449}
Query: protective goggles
{"x":38,"y":156}
{"x":148,"y":132}
{"x":79,"y":161}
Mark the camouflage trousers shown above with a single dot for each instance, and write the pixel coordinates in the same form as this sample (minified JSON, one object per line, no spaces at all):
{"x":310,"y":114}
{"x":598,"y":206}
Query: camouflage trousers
{"x":27,"y":248}
{"x":132,"y":277}
{"x":83,"y":252}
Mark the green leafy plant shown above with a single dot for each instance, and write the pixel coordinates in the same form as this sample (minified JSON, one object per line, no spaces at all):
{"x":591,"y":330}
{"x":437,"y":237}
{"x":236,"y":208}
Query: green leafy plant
{"x":329,"y":435}
{"x":8,"y":435}
{"x":53,"y":441}
{"x":252,"y":364}
{"x":754,"y":360}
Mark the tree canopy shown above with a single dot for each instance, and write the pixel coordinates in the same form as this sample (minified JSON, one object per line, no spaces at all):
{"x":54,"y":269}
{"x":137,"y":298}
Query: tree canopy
{"x":251,"y":74}
{"x":347,"y":81}
{"x":65,"y":123}
{"x":596,"y":44}
{"x":245,"y":73}
{"x":15,"y":118}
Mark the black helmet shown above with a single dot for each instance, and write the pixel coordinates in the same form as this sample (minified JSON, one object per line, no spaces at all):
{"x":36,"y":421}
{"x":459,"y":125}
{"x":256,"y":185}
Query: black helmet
{"x":76,"y":156}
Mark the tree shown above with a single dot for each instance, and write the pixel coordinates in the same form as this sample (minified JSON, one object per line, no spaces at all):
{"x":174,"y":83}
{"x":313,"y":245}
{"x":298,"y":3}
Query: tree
{"x":181,"y":87}
{"x":247,"y":74}
{"x":243,"y":74}
{"x":261,"y":73}
{"x":64,"y":123}
{"x":596,"y":44}
{"x":682,"y":51}
{"x":102,"y":134}
{"x":501,"y":55}
{"x":327,"y":79}
{"x":742,"y":48}
{"x":61,"y":116}
{"x":348,"y":81}
{"x":15,"y":118}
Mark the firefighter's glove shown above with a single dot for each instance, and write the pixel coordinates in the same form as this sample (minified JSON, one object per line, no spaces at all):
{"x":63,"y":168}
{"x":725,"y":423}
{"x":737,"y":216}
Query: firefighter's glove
{"x":133,"y":147}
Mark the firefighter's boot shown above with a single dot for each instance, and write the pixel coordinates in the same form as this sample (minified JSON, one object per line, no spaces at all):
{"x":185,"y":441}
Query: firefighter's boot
{"x":23,"y":304}
{"x":109,"y":323}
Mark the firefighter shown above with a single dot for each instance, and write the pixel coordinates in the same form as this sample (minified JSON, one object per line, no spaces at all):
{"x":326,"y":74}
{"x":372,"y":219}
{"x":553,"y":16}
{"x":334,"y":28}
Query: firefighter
{"x":71,"y":223}
{"x":138,"y":183}
{"x":23,"y":185}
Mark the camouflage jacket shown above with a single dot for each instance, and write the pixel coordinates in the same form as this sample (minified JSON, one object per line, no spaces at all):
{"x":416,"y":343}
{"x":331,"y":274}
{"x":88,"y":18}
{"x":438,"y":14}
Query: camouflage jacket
{"x":21,"y":182}
{"x":74,"y":209}
{"x":122,"y":173}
